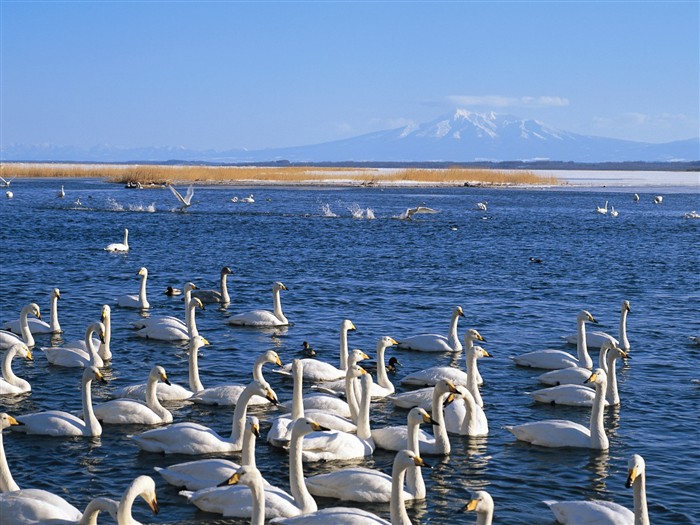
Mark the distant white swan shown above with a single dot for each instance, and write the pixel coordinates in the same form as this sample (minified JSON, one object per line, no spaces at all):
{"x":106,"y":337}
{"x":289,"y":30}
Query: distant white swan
{"x":596,"y":338}
{"x":262,"y":318}
{"x":482,"y":504}
{"x":119,"y":246}
{"x":6,"y":183}
{"x":136,"y":301}
{"x":555,"y":359}
{"x":9,"y":194}
{"x":601,"y":512}
{"x":437,"y":342}
{"x":10,"y":383}
{"x":61,"y":193}
{"x":77,"y":357}
{"x":410,"y":212}
{"x":216,"y":296}
{"x":658,"y":199}
{"x":133,"y":412}
{"x":635,"y":197}
{"x":186,"y":201}
{"x":563,"y":433}
{"x":691,"y":215}
{"x":62,"y":424}
{"x":37,"y":326}
{"x":194,"y":439}
{"x":249,"y":199}
{"x":204,"y":473}
{"x":481,"y":206}
{"x":602,"y":210}
{"x":613,"y":212}
{"x":8,"y":339}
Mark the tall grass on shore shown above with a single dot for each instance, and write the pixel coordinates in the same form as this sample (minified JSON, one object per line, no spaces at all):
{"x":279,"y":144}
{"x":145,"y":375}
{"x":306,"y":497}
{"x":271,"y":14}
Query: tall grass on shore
{"x":120,"y":173}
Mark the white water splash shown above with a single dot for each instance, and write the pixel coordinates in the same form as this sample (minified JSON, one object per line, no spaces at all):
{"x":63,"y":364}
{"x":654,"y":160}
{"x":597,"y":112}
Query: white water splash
{"x":114,"y":205}
{"x":150,"y":208}
{"x":326,"y":210}
{"x":369,"y":213}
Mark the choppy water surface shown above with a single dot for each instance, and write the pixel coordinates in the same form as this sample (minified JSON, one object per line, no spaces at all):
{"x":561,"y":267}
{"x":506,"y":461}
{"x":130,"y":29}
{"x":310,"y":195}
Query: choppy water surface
{"x":390,"y":277}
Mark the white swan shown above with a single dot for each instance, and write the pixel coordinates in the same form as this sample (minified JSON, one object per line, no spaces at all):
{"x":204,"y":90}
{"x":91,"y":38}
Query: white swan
{"x":481,"y":206}
{"x":185,"y":201}
{"x":602,"y":210}
{"x":575,"y":375}
{"x":658,"y":199}
{"x":204,"y":473}
{"x":133,"y":412}
{"x":235,"y":501}
{"x":437,"y":342}
{"x":410,"y":212}
{"x":635,"y":197}
{"x":555,"y":359}
{"x":173,"y":331}
{"x":61,"y":193}
{"x":37,"y":326}
{"x":395,"y":437}
{"x":136,"y":301}
{"x":249,"y":199}
{"x":8,"y":339}
{"x":563,"y":433}
{"x":581,"y":395}
{"x":193,"y":438}
{"x":10,"y":383}
{"x":613,"y":212}
{"x":216,"y":296}
{"x":178,"y":327}
{"x":595,"y":339}
{"x":77,"y":357}
{"x":228,"y":395}
{"x":58,"y":423}
{"x":430,"y":376}
{"x":482,"y":504}
{"x":7,"y":483}
{"x":263,"y":317}
{"x":606,"y":512}
{"x":464,"y":416}
{"x":119,"y":246}
{"x":280,"y":431}
{"x":104,"y":348}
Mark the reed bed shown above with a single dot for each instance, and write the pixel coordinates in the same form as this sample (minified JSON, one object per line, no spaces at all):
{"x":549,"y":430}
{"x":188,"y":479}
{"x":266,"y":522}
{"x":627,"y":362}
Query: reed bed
{"x":155,"y":174}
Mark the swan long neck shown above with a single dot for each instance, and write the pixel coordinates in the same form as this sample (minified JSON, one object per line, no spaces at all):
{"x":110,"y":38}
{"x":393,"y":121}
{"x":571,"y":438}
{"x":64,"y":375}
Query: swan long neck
{"x":602,"y":358}
{"x":7,"y":483}
{"x":599,"y":440}
{"x":343,"y":348}
{"x":641,"y":512}
{"x":239,"y":415}
{"x":95,"y":359}
{"x":442,"y":440}
{"x":248,"y":451}
{"x":257,"y":516}
{"x":54,"y":324}
{"x":485,"y":518}
{"x":302,"y":497}
{"x":414,"y":475}
{"x":127,"y":502}
{"x":624,"y":342}
{"x":7,"y":373}
{"x":584,"y":357}
{"x":193,"y":369}
{"x":92,"y":425}
{"x":257,"y":369}
{"x":190,"y":321}
{"x":611,"y":393}
{"x":363,"y":427}
{"x":277,"y":304}
{"x":472,"y":371}
{"x":297,"y":394}
{"x":382,"y":377}
{"x":142,"y":292}
{"x":470,"y":420}
{"x":398,"y":513}
{"x":351,"y":398}
{"x":152,"y":400}
{"x":27,"y":336}
{"x":225,"y":298}
{"x":453,"y":336}
{"x":94,"y":508}
{"x":105,"y":351}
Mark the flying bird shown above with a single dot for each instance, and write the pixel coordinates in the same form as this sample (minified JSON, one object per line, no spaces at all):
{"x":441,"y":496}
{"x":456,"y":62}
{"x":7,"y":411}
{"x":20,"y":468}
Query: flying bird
{"x":186,"y":201}
{"x":410,"y":212}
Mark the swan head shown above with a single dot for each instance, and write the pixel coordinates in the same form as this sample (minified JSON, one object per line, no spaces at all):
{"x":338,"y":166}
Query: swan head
{"x":56,"y":293}
{"x":148,"y":491}
{"x":33,"y":308}
{"x":418,"y":415}
{"x":100,"y":330}
{"x":585,"y":316}
{"x":246,"y":475}
{"x":407,"y":458}
{"x":264,"y":390}
{"x":272,"y":357}
{"x":197,"y":342}
{"x":444,"y":386}
{"x":480,"y":351}
{"x":635,"y":469}
{"x":158,"y":373}
{"x":481,"y":502}
{"x":106,"y":313}
{"x":356,"y":355}
{"x":252,"y":424}
{"x":189,"y":287}
{"x":347,"y":325}
{"x":226,"y":271}
{"x":473,"y":335}
{"x":278,"y":286}
{"x":143,"y":272}
{"x":22,"y":350}
{"x":196,"y":303}
{"x":6,"y":421}
{"x":355,"y":371}
{"x":304,"y":426}
{"x":598,"y":377}
{"x":385,"y":342}
{"x":458,"y":312}
{"x":93,"y":373}
{"x":626,"y":306}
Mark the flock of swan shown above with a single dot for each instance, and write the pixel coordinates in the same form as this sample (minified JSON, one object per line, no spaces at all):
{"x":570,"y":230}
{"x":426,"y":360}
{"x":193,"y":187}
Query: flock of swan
{"x":330,"y":422}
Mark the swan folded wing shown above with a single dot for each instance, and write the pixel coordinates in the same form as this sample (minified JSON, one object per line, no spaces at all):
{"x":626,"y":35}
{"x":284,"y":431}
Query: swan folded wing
{"x":237,"y":502}
{"x":590,"y":513}
{"x":553,"y":433}
{"x":36,"y":326}
{"x":335,"y":516}
{"x":8,"y":339}
{"x":51,"y":423}
{"x":315,"y":370}
{"x":574,"y":375}
{"x":225,"y":395}
{"x":546,"y":359}
{"x":324,"y":402}
{"x":182,"y":438}
{"x":571,"y":395}
{"x":256,"y":318}
{"x":396,"y":438}
{"x":430,"y":376}
{"x":353,"y":484}
{"x":594,"y":339}
{"x":422,"y":398}
{"x":207,"y":296}
{"x":126,"y":412}
{"x":164,"y":332}
{"x":426,"y":343}
{"x":34,"y":505}
{"x":332,"y":445}
{"x":162,"y":320}
{"x":128,"y":301}
{"x":197,"y":475}
{"x":68,"y":357}
{"x":164,"y":392}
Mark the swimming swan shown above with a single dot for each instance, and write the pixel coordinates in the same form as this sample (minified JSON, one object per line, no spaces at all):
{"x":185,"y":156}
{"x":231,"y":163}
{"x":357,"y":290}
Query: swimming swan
{"x":596,"y":338}
{"x":602,"y":210}
{"x":555,"y":359}
{"x":8,"y":339}
{"x":61,"y":424}
{"x":133,"y":412}
{"x":437,"y":342}
{"x":77,"y":357}
{"x":104,"y":349}
{"x":194,"y":439}
{"x":482,"y":503}
{"x":119,"y":246}
{"x":576,"y":375}
{"x":173,"y":331}
{"x":261,"y":318}
{"x":188,"y":326}
{"x":136,"y":301}
{"x":204,"y":473}
{"x":10,"y":383}
{"x":216,"y":296}
{"x":563,"y":433}
{"x":464,"y":416}
{"x":606,"y":512}
{"x":37,"y":326}
{"x":228,"y":395}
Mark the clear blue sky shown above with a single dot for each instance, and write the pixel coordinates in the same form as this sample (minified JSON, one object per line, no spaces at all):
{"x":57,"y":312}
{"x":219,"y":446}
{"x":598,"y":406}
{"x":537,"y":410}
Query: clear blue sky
{"x":220,"y":75}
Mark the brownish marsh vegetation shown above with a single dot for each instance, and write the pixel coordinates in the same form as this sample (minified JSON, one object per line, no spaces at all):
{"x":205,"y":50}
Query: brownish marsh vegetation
{"x":154,"y":174}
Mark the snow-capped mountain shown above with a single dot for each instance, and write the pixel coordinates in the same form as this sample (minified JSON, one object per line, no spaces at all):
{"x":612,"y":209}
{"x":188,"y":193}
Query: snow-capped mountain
{"x":463,"y":136}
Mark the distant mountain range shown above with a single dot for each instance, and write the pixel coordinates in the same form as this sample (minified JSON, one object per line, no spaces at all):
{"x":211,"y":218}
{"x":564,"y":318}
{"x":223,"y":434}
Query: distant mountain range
{"x":460,"y":137}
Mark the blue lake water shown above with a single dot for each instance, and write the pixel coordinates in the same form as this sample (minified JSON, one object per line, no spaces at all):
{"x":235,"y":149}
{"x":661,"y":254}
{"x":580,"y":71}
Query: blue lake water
{"x":390,"y":277}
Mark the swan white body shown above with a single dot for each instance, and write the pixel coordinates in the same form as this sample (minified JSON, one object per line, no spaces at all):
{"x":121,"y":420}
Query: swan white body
{"x":104,"y":349}
{"x":186,"y":201}
{"x":73,"y":357}
{"x":437,"y":342}
{"x":61,"y":193}
{"x":169,"y":330}
{"x":597,"y":512}
{"x":602,"y":210}
{"x":614,"y":212}
{"x":410,"y":212}
{"x":136,"y":301}
{"x":204,"y":473}
{"x":228,"y":395}
{"x":62,"y":424}
{"x":563,"y":433}
{"x":37,"y":326}
{"x":216,"y":296}
{"x":170,"y":319}
{"x":133,"y":412}
{"x":556,"y":359}
{"x":194,"y":439}
{"x":10,"y":383}
{"x":262,"y":318}
{"x":119,"y":246}
{"x":8,"y":339}
{"x":596,"y":338}
{"x":464,"y":416}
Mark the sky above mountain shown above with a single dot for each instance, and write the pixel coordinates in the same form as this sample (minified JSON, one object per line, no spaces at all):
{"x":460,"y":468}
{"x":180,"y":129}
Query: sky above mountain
{"x":225,"y":75}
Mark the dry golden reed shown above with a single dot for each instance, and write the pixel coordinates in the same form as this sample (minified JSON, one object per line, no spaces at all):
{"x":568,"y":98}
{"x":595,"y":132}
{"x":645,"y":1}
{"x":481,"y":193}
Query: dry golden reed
{"x":278,"y":175}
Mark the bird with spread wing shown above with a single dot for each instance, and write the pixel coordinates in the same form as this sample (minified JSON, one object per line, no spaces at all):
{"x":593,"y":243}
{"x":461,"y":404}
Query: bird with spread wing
{"x":185,"y":201}
{"x":410,"y":212}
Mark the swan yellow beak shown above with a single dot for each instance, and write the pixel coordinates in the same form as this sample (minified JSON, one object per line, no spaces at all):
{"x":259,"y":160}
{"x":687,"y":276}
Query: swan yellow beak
{"x":429,"y":420}
{"x":592,"y":319}
{"x":29,"y":355}
{"x":271,"y":397}
{"x":278,"y":362}
{"x":352,"y":326}
{"x":13,"y":421}
{"x":460,"y":311}
{"x":315,"y":426}
{"x":471,"y":506}
{"x":631,"y":476}
{"x":592,"y":378}
{"x":58,"y":295}
{"x":256,"y":430}
{"x":418,"y":462}
{"x":452,"y":387}
{"x":153,"y":503}
{"x":392,"y":341}
{"x":233,"y":480}
{"x":102,"y":337}
{"x":484,"y":353}
{"x":364,"y":356}
{"x":100,"y":377}
{"x":362,"y":370}
{"x":479,"y":337}
{"x":165,"y":379}
{"x":204,"y":342}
